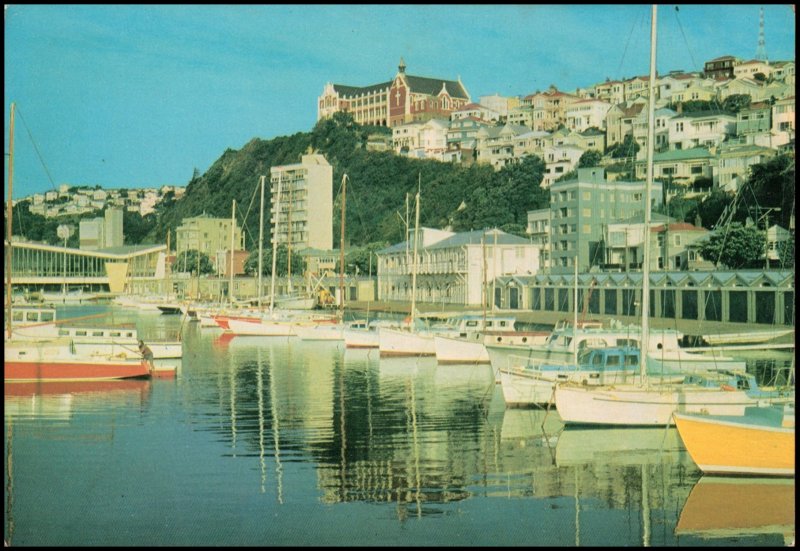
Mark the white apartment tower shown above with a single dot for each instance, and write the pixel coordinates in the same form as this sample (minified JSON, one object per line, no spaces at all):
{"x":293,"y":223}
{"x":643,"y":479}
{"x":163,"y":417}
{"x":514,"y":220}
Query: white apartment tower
{"x":305,"y":213}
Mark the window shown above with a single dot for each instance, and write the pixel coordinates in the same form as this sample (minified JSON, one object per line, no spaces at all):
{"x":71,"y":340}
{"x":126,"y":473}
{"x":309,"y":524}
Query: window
{"x":677,"y":238}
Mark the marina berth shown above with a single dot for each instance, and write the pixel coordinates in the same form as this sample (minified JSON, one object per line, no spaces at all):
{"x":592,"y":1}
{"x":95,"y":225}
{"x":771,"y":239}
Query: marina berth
{"x":758,"y":442}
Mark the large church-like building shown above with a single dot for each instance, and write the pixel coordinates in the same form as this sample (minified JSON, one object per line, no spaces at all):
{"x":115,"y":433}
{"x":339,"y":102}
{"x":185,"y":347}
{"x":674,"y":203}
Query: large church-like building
{"x":402,"y":100}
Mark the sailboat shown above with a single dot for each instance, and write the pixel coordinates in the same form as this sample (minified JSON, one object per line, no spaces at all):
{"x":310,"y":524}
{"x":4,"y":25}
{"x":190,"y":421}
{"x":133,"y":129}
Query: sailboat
{"x":411,"y":341}
{"x":643,"y":403}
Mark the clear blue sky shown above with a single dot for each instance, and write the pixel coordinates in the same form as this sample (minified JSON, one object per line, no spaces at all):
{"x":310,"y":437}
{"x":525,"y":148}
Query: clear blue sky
{"x":139,"y":96}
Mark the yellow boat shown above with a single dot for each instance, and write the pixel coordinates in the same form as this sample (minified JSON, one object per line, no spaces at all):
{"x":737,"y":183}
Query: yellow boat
{"x":760,"y":442}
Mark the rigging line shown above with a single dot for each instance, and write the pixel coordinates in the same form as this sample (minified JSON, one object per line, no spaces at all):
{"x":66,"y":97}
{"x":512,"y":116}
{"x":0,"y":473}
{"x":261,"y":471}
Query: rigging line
{"x":36,"y":148}
{"x":688,"y":49}
{"x":622,"y":60}
{"x":358,"y":209}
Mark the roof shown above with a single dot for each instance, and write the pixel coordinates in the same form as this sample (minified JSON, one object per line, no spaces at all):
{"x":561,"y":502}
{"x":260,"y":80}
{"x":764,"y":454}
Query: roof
{"x":475,"y":237}
{"x":350,"y":91}
{"x":705,"y":114}
{"x":432,"y":86}
{"x":683,"y":154}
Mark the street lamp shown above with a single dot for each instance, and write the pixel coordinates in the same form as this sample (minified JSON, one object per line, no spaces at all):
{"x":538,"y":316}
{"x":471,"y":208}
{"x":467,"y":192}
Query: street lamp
{"x":64,"y":232}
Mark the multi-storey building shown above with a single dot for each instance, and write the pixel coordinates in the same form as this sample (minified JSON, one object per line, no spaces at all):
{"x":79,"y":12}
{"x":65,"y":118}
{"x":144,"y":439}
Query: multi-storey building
{"x":549,"y":108}
{"x":731,"y":166}
{"x":660,"y":130}
{"x":587,"y":113}
{"x":580,"y":207}
{"x":610,"y":91}
{"x":720,"y":67}
{"x":404,"y":99}
{"x":302,"y":215}
{"x":749,"y":69}
{"x":500,"y":104}
{"x":619,"y":120}
{"x":101,"y":232}
{"x":211,"y":236}
{"x":478,"y":111}
{"x":783,"y":122}
{"x":700,"y":128}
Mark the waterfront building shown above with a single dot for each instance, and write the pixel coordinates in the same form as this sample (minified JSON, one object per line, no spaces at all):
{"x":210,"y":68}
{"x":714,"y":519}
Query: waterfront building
{"x":450,"y":266}
{"x":678,"y":297}
{"x":136,"y":268}
{"x":304,"y":216}
{"x":402,"y":100}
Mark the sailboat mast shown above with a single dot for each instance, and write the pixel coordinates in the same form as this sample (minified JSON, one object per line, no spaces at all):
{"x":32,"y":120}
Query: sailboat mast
{"x":233,"y":224}
{"x":414,"y":273}
{"x":9,"y":221}
{"x":261,"y":245}
{"x":341,"y":247}
{"x":289,"y":240}
{"x":645,"y":343}
{"x":275,"y":242}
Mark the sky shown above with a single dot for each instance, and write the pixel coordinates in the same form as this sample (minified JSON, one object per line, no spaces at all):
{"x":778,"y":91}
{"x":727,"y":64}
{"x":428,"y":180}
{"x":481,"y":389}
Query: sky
{"x":132,"y":96}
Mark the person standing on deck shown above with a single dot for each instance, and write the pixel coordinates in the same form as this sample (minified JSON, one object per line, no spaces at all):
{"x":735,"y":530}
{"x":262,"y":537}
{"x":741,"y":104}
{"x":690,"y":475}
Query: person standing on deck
{"x":147,"y":354}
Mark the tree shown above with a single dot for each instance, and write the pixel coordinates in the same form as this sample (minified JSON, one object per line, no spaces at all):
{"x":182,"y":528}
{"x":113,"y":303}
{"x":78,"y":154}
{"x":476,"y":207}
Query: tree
{"x":786,"y":253}
{"x":628,"y":147}
{"x":735,"y":247}
{"x":772,"y":186}
{"x":712,"y":207}
{"x":187,"y":262}
{"x":590,"y":158}
{"x":736,"y":102}
{"x":281,"y":262}
{"x":362,"y":257}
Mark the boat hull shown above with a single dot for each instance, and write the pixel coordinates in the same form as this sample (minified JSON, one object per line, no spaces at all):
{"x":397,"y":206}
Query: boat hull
{"x":730,"y":446}
{"x":73,"y":370}
{"x":405,"y":343}
{"x":468,"y":349}
{"x":632,"y":405}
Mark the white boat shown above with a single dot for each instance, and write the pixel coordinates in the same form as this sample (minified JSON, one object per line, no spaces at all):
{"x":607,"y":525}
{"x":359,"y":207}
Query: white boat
{"x":321,"y":331}
{"x":533,"y":382}
{"x":72,"y":297}
{"x":366,"y":335}
{"x":471,"y":348}
{"x":296,"y":302}
{"x":759,"y":336}
{"x":467,"y":345}
{"x":40,"y":324}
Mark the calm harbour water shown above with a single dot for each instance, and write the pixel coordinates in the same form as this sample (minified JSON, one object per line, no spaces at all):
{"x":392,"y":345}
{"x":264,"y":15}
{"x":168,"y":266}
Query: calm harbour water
{"x":279,"y":441}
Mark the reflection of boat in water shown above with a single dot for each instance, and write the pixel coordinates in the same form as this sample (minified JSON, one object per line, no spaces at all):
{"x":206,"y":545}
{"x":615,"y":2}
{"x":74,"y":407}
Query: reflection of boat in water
{"x":59,"y":400}
{"x":721,"y":507}
{"x":622,"y":446}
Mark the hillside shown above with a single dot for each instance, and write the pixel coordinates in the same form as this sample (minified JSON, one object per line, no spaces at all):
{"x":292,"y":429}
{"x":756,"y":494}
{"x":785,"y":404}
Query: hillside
{"x":376,"y":190}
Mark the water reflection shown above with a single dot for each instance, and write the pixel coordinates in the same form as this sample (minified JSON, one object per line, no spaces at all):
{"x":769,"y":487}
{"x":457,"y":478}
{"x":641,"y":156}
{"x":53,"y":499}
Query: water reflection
{"x":723,"y":507}
{"x":62,"y":400}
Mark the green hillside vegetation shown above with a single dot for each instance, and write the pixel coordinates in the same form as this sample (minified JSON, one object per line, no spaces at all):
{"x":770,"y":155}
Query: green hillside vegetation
{"x":454,"y":196}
